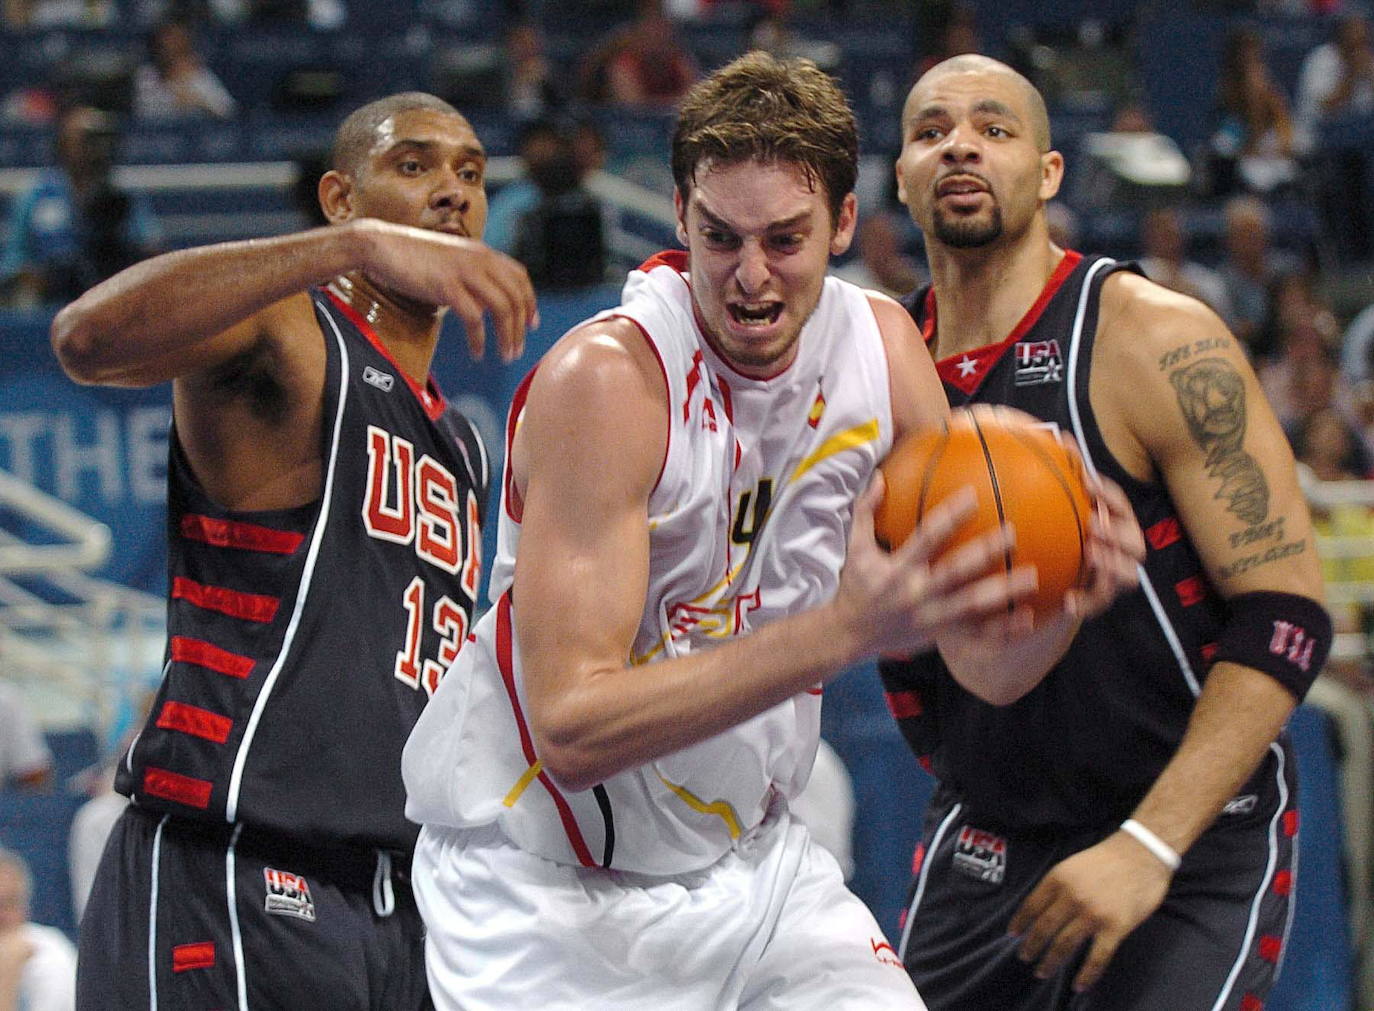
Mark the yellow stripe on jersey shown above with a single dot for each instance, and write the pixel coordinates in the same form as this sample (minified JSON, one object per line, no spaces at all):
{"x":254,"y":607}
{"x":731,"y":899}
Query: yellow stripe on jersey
{"x":838,"y":443}
{"x":522,"y":784}
{"x":721,"y":809}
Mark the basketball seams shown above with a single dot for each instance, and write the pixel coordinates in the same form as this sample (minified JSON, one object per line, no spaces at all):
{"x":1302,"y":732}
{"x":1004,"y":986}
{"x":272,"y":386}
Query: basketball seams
{"x":1055,"y":469}
{"x":996,"y":486}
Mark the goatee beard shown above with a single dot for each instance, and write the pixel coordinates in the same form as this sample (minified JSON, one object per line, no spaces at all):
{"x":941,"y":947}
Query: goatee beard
{"x":968,"y":233}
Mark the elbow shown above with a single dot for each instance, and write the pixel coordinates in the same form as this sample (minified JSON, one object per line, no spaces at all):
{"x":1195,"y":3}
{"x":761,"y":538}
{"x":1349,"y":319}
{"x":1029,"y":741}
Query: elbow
{"x":573,"y":768}
{"x":570,"y":758}
{"x":77,"y":345}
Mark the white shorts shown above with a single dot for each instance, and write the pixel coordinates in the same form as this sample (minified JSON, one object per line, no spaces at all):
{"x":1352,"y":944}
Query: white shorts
{"x":768,"y":927}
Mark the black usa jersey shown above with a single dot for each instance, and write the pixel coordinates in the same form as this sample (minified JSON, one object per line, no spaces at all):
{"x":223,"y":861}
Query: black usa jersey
{"x":303,"y":643}
{"x":1085,"y":745}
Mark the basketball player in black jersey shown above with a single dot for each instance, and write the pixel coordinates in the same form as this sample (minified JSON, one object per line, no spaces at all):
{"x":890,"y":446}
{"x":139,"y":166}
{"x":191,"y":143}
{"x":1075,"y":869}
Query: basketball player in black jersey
{"x":1118,"y":834}
{"x":324,"y":504}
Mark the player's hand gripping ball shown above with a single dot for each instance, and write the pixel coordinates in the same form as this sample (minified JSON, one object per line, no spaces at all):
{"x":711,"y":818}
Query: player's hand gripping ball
{"x":1022,"y":475}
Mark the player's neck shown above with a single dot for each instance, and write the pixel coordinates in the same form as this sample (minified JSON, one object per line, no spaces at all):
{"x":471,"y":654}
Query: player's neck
{"x":981,"y":294}
{"x":409,"y":330}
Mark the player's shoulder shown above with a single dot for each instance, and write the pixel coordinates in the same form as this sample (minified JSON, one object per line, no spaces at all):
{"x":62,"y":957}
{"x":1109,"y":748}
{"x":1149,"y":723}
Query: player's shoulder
{"x":1140,"y":319}
{"x":608,"y":357}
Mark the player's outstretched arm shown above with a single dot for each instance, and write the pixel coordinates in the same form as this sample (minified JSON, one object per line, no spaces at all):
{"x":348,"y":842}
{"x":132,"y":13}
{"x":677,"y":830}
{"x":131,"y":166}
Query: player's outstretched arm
{"x":190,"y":310}
{"x":587,"y":452}
{"x":1193,"y":414}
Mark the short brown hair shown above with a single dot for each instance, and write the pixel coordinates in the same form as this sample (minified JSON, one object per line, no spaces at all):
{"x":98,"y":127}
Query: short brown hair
{"x":761,"y":108}
{"x":357,"y":133}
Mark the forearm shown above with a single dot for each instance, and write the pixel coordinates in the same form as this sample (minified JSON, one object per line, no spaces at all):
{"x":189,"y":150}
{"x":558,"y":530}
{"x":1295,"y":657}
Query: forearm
{"x":1237,"y":717}
{"x":620,"y":718}
{"x":121,"y":328}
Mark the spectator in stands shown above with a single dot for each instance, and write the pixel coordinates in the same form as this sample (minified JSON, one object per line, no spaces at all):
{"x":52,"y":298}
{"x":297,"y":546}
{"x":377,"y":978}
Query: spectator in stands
{"x":1337,"y":77}
{"x":75,"y":227}
{"x":532,"y":87}
{"x":1063,"y":224}
{"x":882,"y":263}
{"x":1164,"y":249}
{"x":540,"y":141}
{"x":642,"y":65}
{"x":37,"y":963}
{"x":25,"y":761}
{"x":175,"y":82}
{"x":773,"y":32}
{"x":1253,"y":148}
{"x":58,"y":13}
{"x":1336,"y":83}
{"x":1250,"y":265}
{"x":953,"y":29}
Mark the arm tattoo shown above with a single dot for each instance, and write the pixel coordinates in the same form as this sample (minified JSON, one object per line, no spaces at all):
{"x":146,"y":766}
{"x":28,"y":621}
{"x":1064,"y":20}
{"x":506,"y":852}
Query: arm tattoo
{"x":1212,"y":396}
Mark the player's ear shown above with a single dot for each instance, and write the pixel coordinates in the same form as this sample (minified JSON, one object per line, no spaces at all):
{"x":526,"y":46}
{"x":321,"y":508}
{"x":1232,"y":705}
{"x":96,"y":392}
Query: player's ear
{"x":1051,"y":174}
{"x":680,"y":206}
{"x":844,"y":227}
{"x":336,"y":196}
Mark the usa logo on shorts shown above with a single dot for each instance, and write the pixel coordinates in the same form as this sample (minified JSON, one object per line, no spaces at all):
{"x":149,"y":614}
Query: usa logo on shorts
{"x":981,"y":855}
{"x":1038,"y":362}
{"x":288,"y":895}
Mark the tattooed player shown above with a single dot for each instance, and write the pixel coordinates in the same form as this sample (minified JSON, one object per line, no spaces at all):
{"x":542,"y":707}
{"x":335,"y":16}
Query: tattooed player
{"x":1120,"y":834}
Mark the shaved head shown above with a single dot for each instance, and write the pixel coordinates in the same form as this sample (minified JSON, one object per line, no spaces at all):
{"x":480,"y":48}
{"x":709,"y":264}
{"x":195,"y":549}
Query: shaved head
{"x":972,"y":63}
{"x":358,"y":133}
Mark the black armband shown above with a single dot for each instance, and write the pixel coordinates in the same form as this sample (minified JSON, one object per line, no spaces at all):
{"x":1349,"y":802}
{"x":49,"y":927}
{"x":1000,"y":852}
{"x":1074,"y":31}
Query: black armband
{"x":1285,"y":635}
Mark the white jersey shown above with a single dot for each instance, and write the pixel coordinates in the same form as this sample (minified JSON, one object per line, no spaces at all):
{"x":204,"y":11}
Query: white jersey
{"x":748,"y":522}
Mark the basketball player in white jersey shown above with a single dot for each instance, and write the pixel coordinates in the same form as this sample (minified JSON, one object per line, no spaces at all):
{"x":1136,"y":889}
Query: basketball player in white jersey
{"x":603,"y":775}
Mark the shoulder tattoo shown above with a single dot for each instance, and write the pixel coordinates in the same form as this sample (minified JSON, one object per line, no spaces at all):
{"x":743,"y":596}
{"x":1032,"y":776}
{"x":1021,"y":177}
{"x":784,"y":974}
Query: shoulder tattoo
{"x":1211,"y":394}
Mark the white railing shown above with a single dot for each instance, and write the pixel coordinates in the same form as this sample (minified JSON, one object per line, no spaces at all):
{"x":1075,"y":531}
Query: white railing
{"x":79,"y":647}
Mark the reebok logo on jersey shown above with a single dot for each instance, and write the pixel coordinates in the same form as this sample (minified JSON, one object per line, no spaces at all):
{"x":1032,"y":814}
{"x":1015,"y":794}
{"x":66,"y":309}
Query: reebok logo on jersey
{"x":1038,"y":362}
{"x":981,"y":855}
{"x":288,"y":895}
{"x":382,"y":380}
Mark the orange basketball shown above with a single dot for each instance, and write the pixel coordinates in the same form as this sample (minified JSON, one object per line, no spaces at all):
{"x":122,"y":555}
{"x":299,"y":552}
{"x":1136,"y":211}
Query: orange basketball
{"x":1022,"y":474}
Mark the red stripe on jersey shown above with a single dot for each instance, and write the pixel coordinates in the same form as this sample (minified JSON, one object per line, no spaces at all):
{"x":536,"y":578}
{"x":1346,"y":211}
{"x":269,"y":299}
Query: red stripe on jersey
{"x":193,"y":956}
{"x":904,"y":705}
{"x":1209,"y":650}
{"x":1164,"y":533}
{"x":211,"y":657}
{"x":1251,"y":1003}
{"x":726,"y":401}
{"x":1290,"y":823}
{"x":504,"y":655}
{"x":195,"y":721}
{"x":1283,"y":883}
{"x":1190,"y":591}
{"x":1270,"y":947}
{"x":235,"y":603}
{"x":174,"y":786}
{"x":245,"y":536}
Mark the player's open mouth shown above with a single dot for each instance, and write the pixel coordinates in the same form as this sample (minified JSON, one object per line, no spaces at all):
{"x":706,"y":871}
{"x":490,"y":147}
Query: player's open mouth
{"x":960,"y":186}
{"x":755,"y":315}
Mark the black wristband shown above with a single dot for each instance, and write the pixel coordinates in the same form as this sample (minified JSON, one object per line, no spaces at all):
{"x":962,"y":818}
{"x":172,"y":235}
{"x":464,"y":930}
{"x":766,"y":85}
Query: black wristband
{"x":1285,"y":635}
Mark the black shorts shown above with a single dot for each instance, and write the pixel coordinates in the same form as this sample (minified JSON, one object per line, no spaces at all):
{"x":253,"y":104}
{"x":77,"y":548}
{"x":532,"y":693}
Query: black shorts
{"x":183,"y":915}
{"x":1214,"y":943}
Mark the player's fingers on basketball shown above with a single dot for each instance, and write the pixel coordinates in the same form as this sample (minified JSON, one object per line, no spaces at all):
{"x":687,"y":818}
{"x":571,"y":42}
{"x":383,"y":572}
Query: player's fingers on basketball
{"x":936,"y":526}
{"x":864,"y":507}
{"x":993,"y":594}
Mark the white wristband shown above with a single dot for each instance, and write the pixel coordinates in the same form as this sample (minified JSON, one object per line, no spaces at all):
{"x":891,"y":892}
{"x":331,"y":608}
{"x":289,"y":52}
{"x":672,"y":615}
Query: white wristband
{"x":1163,"y":852}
